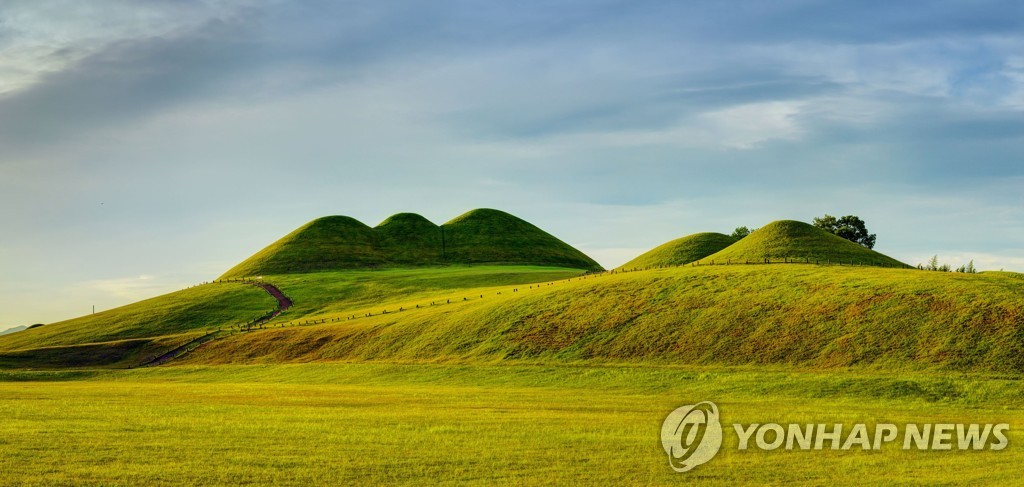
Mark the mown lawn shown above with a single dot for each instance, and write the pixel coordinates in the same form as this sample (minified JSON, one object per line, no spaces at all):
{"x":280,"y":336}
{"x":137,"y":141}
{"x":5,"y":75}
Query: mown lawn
{"x":339,"y":424}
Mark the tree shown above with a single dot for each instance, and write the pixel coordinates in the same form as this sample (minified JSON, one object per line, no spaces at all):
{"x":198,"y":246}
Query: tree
{"x":933,"y":265}
{"x":967,"y":269}
{"x":741,"y":232}
{"x":850,"y":227}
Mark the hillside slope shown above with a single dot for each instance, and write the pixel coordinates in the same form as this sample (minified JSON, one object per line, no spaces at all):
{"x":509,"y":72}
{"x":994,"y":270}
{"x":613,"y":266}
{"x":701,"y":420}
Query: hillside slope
{"x":198,"y":308}
{"x":681,"y":251}
{"x":129,"y":335}
{"x":481,"y":236}
{"x":794,"y":315}
{"x":788,"y":239}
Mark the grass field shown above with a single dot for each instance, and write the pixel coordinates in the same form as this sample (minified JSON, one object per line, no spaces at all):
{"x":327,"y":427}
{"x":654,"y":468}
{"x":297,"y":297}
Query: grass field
{"x":342,"y":424}
{"x":521,"y":375}
{"x":784,"y":314}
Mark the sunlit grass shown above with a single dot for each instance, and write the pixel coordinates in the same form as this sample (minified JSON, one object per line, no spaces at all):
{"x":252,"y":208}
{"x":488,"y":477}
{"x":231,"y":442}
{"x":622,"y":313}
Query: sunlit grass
{"x":528,"y":425}
{"x":788,"y":314}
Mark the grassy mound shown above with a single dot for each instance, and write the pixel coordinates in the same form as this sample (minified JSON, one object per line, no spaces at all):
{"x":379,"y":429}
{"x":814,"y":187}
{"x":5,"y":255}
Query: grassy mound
{"x":198,"y":308}
{"x":791,"y":315}
{"x":681,"y":251}
{"x":406,"y":239}
{"x":793,"y":240}
{"x":325,"y":243}
{"x":492,"y":236}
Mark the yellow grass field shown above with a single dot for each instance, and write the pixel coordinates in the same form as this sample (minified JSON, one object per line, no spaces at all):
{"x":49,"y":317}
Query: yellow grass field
{"x":333,"y":423}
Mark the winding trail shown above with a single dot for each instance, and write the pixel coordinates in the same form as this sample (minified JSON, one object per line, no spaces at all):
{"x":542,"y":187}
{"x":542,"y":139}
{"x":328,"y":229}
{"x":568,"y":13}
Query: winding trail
{"x":283,"y":303}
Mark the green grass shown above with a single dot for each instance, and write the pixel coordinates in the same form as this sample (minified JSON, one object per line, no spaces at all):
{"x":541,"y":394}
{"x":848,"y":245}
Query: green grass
{"x":787,"y":239}
{"x":128,"y":335}
{"x":347,"y":424}
{"x":198,"y":308}
{"x":785,"y":314}
{"x":410,"y":239}
{"x":481,"y":236}
{"x":340,"y":292}
{"x":113,"y":354}
{"x":681,"y":251}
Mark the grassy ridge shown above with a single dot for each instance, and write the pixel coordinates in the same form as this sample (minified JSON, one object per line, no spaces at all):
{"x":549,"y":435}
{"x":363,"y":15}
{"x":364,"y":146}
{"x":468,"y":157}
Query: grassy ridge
{"x":796,"y":315}
{"x":788,"y":239}
{"x":193,"y":309}
{"x":522,"y":425}
{"x":481,"y":236}
{"x":681,"y":251}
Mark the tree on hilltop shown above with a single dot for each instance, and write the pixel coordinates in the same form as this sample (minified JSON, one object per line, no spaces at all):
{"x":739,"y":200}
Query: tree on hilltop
{"x":850,"y":227}
{"x":741,"y":232}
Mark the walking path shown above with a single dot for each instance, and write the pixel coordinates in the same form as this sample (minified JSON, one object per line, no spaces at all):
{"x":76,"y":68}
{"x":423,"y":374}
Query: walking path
{"x":283,"y":303}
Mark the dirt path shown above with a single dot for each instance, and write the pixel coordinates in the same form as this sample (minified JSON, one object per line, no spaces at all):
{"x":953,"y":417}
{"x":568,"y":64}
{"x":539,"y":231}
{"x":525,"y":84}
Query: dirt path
{"x":283,"y":303}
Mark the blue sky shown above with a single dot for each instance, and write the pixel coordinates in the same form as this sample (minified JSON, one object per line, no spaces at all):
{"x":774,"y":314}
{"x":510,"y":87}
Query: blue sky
{"x":146,"y":146}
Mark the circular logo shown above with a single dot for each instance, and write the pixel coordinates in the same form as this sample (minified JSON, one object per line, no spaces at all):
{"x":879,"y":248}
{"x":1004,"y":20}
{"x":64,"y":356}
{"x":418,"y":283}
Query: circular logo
{"x":691,"y":435}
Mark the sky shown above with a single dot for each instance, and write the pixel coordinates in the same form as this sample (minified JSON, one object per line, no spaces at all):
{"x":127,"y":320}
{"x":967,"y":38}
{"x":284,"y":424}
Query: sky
{"x":148,"y":146}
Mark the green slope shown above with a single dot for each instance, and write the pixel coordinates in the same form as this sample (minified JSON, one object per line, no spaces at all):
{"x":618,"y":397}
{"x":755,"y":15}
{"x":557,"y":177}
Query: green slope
{"x":788,"y":239}
{"x":198,"y":308}
{"x":130,"y":334}
{"x":681,"y":251}
{"x":794,"y":315}
{"x":480,"y":236}
{"x":322,"y":293}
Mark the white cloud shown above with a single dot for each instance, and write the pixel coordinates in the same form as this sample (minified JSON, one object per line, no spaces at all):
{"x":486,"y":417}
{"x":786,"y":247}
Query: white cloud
{"x":746,"y":126}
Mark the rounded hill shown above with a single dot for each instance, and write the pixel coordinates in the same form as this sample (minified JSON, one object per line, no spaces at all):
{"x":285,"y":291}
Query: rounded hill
{"x":481,"y":236}
{"x":789,"y":239}
{"x":681,"y":251}
{"x":331,"y":242}
{"x":492,"y":236}
{"x":408,"y":238}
